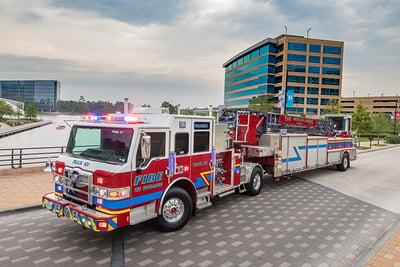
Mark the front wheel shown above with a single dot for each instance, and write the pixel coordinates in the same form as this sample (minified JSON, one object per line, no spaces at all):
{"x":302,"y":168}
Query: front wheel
{"x":176,"y":210}
{"x":256,"y":182}
{"x":345,"y":163}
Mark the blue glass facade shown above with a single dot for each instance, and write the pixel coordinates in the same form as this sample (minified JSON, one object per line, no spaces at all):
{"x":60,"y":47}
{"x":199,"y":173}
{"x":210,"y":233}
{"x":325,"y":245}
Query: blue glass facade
{"x":45,"y":93}
{"x":309,"y":67}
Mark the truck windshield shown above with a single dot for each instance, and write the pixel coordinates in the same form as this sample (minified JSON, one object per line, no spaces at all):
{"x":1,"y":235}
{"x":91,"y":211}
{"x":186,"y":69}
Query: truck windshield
{"x":100,"y":143}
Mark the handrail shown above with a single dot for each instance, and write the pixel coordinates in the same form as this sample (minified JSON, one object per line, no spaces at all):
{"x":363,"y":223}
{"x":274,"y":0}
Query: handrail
{"x":18,"y":157}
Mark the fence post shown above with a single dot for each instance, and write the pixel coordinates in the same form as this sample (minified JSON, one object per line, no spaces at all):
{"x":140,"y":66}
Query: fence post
{"x":12,"y":158}
{"x":20,"y":158}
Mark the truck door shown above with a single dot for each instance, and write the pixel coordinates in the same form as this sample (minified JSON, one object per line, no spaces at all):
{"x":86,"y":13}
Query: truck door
{"x":148,"y":175}
{"x":201,"y":147}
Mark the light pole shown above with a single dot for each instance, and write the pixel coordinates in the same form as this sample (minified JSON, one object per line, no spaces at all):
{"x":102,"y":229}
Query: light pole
{"x":395,"y":117}
{"x":308,"y":31}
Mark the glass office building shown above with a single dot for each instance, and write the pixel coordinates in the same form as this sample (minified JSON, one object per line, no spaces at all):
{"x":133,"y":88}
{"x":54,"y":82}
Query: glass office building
{"x":45,"y":93}
{"x":311,"y":68}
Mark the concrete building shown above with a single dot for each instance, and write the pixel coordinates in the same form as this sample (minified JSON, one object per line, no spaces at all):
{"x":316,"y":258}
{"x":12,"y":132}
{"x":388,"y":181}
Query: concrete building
{"x":311,"y":68}
{"x":374,"y":104}
{"x":45,"y":93}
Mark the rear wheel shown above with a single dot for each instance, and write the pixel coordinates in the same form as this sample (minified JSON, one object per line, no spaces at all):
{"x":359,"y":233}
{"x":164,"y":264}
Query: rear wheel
{"x":176,"y":210}
{"x":345,"y":163}
{"x":255,"y":185}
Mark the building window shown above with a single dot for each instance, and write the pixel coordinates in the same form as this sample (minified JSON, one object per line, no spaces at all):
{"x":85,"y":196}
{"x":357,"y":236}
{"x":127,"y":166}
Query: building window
{"x":332,"y":50}
{"x":297,"y":46}
{"x":296,"y":79}
{"x":299,"y":100}
{"x":313,"y":80}
{"x":312,"y":101}
{"x":332,"y":71}
{"x":294,"y":57}
{"x":295,"y":110}
{"x":314,"y":59}
{"x":297,"y":89}
{"x":296,"y":68}
{"x":312,"y":90}
{"x":279,"y":69}
{"x":315,"y":48}
{"x":279,"y":59}
{"x":278,"y":79}
{"x":255,"y":53}
{"x":328,"y":91}
{"x":279,"y":48}
{"x":312,"y":111}
{"x":331,"y":60}
{"x":312,"y":69}
{"x":330,"y":81}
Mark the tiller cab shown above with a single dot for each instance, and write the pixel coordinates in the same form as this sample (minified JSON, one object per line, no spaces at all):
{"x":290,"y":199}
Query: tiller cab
{"x":121,"y":170}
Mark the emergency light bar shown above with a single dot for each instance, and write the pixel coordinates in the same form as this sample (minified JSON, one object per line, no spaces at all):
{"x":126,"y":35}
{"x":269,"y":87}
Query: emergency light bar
{"x":127,"y":118}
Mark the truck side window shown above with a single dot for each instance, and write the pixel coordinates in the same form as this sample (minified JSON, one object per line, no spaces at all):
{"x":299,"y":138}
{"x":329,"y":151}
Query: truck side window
{"x":201,"y":142}
{"x":157,"y":148}
{"x":181,"y":143}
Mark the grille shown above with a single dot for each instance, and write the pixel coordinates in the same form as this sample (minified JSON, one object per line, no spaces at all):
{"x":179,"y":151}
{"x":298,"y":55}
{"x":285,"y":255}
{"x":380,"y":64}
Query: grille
{"x":77,"y":184}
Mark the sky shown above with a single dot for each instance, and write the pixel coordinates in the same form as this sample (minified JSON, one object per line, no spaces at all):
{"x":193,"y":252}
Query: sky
{"x":173,"y":50}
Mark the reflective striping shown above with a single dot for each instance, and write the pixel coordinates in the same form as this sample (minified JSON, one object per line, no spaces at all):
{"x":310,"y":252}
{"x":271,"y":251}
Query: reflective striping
{"x":112,"y":211}
{"x":113,"y":204}
{"x":146,"y":198}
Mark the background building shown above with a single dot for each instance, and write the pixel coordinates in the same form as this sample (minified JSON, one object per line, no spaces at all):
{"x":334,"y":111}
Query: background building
{"x":374,"y":104}
{"x":311,"y":68}
{"x":45,"y":93}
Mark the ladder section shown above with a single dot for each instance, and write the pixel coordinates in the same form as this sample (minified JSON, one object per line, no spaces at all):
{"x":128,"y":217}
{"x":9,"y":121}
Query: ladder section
{"x":240,"y":136}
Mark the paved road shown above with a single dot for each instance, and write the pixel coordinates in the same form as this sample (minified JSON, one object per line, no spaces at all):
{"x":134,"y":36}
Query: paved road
{"x":291,"y":223}
{"x":374,"y":178}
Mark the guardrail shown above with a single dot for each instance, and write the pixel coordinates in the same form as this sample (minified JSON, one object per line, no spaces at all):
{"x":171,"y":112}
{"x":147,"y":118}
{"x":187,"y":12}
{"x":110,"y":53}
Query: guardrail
{"x":18,"y":157}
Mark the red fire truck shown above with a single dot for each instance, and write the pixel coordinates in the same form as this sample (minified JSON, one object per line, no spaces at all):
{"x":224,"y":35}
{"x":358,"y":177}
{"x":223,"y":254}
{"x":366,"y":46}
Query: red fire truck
{"x":121,"y":170}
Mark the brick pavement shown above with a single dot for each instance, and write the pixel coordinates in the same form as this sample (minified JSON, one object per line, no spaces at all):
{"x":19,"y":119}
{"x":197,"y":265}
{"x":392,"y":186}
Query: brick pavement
{"x":25,"y":187}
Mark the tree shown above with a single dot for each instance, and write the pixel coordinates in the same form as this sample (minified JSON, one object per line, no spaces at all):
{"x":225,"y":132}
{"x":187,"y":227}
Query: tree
{"x":333,"y":107}
{"x":261,"y":103}
{"x":31,"y":110}
{"x":171,"y":108}
{"x":362,"y":122}
{"x":5,"y":109}
{"x":381,"y":123}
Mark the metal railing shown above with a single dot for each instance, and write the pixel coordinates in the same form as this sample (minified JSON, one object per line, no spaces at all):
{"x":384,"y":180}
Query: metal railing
{"x":18,"y":157}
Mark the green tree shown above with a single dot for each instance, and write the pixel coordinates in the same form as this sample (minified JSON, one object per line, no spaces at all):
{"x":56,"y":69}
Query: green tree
{"x":5,"y":109}
{"x":171,"y":108}
{"x":333,"y":107}
{"x":31,"y":110}
{"x":261,"y":103}
{"x":362,"y":122}
{"x":381,"y":123}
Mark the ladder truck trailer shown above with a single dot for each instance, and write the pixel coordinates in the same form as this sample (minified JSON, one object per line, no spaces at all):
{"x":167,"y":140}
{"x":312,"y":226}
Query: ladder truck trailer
{"x":121,"y":170}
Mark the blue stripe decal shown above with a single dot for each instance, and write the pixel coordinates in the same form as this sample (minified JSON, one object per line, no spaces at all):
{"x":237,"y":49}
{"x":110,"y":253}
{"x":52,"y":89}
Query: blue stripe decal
{"x":113,"y":204}
{"x":112,"y":223}
{"x":340,"y":144}
{"x":199,"y":182}
{"x":146,"y":198}
{"x":302,"y":147}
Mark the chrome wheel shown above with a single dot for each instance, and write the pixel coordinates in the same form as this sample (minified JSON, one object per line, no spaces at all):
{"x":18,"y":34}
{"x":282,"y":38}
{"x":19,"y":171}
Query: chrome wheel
{"x":173,"y":210}
{"x":257,"y":182}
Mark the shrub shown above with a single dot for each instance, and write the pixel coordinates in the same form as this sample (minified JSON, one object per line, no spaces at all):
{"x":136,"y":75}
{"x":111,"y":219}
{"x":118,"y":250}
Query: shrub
{"x":392,"y":139}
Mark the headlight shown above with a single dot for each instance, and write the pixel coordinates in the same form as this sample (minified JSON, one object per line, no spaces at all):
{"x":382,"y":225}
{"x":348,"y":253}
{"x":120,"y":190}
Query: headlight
{"x":111,"y":193}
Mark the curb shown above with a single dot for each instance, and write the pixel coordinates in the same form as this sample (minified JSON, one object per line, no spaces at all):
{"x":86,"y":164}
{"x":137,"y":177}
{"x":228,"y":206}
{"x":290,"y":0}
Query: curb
{"x":9,"y":211}
{"x":377,"y":149}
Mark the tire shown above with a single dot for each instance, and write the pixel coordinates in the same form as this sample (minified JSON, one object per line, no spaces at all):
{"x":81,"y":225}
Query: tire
{"x":344,"y":164}
{"x":255,"y":185}
{"x":175,"y":212}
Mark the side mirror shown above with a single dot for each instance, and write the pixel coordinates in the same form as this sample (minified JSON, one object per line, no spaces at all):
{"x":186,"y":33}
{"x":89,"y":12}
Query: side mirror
{"x":145,"y":144}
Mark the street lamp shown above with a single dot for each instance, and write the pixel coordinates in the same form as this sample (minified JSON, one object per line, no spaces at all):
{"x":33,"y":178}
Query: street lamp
{"x":395,"y":117}
{"x":308,"y":31}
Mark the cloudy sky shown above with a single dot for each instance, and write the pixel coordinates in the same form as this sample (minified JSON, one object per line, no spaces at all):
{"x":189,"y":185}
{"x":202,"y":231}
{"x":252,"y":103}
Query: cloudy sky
{"x":173,"y":50}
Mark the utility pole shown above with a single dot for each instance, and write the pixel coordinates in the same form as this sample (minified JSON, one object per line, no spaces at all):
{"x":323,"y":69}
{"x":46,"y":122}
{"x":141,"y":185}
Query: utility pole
{"x":395,"y":117}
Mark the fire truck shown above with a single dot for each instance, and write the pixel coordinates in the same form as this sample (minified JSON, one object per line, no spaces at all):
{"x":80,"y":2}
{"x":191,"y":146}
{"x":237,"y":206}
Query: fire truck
{"x":121,"y":170}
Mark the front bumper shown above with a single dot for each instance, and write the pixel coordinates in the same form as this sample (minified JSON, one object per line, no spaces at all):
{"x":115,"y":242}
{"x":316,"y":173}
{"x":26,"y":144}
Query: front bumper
{"x":91,"y":219}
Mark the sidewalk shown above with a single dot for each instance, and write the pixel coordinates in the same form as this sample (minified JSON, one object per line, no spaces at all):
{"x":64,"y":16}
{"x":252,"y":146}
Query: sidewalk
{"x":24,"y":188}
